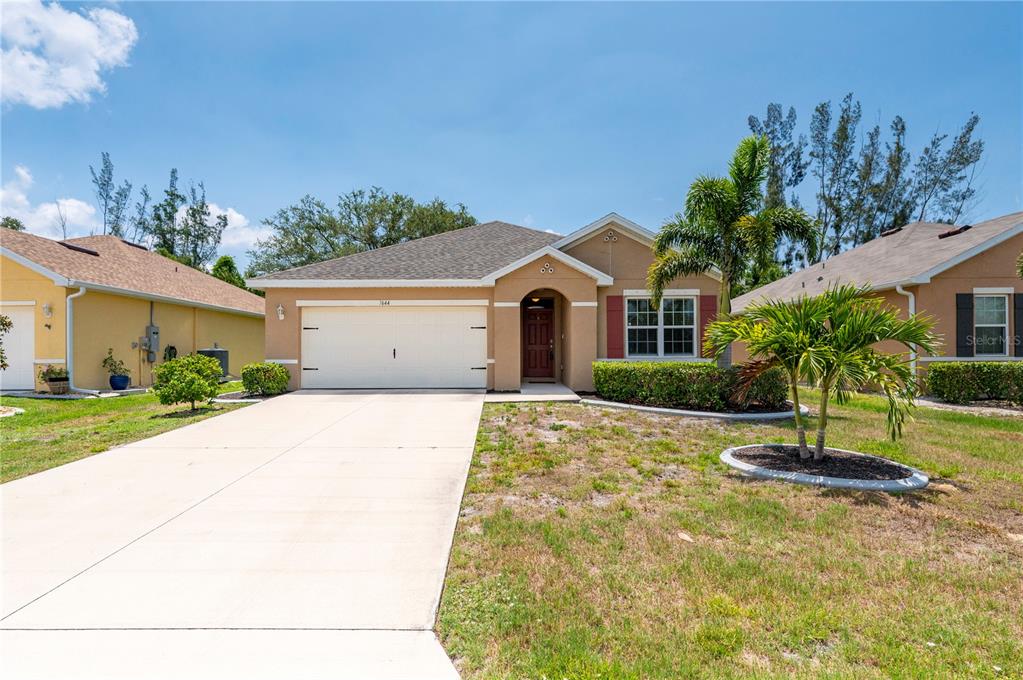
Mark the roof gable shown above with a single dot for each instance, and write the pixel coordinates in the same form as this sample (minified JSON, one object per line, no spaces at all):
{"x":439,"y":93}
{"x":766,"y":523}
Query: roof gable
{"x":551,"y":252}
{"x":911,"y":256}
{"x":641,"y":234}
{"x":113,"y":265}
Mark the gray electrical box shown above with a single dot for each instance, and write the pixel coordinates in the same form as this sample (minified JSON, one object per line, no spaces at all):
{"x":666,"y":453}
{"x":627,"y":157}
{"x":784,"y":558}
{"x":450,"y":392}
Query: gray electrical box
{"x":150,"y":342}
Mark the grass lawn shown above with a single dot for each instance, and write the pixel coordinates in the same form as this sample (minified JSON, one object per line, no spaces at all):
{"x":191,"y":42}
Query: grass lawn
{"x":613,"y":544}
{"x":52,"y":432}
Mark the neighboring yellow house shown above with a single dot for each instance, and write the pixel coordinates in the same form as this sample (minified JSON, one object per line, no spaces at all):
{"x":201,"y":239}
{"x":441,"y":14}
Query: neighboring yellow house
{"x":117,"y":295}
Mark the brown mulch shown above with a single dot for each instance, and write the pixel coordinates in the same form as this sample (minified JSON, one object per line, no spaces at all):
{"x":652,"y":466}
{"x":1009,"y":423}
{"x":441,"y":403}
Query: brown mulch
{"x":834,"y":464}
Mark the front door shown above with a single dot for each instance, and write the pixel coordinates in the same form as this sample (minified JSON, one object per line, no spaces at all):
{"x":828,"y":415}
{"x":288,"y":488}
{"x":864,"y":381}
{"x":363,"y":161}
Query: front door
{"x":538,"y":353}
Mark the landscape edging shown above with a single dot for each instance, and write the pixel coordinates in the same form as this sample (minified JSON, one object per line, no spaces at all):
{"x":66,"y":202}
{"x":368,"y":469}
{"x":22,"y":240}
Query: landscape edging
{"x":917,"y":480}
{"x":719,"y":415}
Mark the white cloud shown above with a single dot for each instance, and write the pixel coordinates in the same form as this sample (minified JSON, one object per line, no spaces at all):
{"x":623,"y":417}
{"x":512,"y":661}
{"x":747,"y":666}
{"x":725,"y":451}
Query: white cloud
{"x":44,"y":219}
{"x":52,"y":55}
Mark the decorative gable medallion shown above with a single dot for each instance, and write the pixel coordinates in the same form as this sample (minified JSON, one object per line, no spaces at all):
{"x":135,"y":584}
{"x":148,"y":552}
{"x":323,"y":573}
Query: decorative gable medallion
{"x":610,"y":236}
{"x":546,"y":268}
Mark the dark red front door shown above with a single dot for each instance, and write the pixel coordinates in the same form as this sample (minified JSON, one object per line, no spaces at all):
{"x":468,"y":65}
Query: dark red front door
{"x":538,"y":355}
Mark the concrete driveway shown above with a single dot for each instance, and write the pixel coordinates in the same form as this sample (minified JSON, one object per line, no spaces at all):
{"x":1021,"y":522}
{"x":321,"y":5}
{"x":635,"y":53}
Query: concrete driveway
{"x":306,"y":536}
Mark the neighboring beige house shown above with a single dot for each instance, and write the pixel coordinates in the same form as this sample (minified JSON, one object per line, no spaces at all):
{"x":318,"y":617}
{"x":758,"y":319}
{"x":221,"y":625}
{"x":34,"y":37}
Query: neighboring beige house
{"x":965,"y":277}
{"x":492,"y":305}
{"x":117,"y":295}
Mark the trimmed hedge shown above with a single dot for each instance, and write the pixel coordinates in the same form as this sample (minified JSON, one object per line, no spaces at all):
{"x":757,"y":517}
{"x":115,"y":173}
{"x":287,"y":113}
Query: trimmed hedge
{"x":684,"y":385}
{"x":265,"y":378}
{"x":966,"y":381}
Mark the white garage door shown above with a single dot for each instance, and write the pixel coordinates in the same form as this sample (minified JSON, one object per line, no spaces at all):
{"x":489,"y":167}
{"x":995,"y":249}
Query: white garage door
{"x":19,"y":346}
{"x":394,"y":346}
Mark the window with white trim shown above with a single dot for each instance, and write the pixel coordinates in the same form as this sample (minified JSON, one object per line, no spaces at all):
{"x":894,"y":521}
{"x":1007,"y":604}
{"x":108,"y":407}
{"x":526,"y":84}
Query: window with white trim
{"x":990,"y":325}
{"x":665,"y":332}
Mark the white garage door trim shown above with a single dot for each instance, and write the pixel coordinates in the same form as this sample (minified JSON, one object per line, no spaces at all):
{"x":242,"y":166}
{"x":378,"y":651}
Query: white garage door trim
{"x":404,"y":346}
{"x":392,"y":303}
{"x":19,"y":346}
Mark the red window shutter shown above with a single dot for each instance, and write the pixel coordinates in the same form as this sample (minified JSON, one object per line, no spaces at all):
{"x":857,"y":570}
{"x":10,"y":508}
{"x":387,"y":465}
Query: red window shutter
{"x":708,"y":312}
{"x":615,"y":327}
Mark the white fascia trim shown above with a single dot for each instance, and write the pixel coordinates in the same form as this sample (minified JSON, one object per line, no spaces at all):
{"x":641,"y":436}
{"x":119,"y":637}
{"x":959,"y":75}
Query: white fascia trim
{"x":17,"y":303}
{"x":982,"y":357}
{"x":994,"y":291}
{"x":668,"y":292}
{"x":37,"y":268}
{"x":127,"y":292}
{"x":263,"y":284}
{"x":507,"y":304}
{"x":47,"y":361}
{"x":552,"y":252}
{"x":392,"y":303}
{"x":282,"y":361}
{"x":584,"y":304}
{"x":634,"y":230}
{"x":966,"y":255}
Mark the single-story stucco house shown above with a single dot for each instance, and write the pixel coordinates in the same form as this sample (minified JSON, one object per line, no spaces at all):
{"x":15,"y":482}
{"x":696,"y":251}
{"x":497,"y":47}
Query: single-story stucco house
{"x":964,"y":277}
{"x":487,"y":306}
{"x":98,"y":292}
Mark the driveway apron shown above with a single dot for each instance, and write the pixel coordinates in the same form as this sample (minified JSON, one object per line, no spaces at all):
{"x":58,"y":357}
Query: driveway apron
{"x":306,"y":536}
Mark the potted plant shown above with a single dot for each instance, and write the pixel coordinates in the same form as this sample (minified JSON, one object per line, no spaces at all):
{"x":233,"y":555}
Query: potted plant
{"x":120,"y":376}
{"x":56,"y":379}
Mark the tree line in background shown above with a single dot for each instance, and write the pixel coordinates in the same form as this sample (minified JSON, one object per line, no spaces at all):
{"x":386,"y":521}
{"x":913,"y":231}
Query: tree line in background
{"x":181,"y":226}
{"x":311,"y":231}
{"x":862,"y":186}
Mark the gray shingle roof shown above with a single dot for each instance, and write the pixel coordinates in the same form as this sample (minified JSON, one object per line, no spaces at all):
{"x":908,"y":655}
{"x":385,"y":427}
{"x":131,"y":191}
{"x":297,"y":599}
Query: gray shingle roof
{"x":885,"y":261}
{"x":469,"y":253}
{"x":109,"y":261}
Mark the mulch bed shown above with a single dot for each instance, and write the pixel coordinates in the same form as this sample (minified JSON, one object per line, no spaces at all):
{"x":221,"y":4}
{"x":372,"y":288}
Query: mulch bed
{"x":238,"y":396}
{"x":834,"y":464}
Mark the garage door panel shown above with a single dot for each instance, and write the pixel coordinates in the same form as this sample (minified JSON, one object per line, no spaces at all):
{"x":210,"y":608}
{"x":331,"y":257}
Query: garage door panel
{"x":394,"y":347}
{"x":19,"y":346}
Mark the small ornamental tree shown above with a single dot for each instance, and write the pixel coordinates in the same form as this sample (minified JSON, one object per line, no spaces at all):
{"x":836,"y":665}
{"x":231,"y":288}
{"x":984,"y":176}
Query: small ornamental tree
{"x":187,"y":379}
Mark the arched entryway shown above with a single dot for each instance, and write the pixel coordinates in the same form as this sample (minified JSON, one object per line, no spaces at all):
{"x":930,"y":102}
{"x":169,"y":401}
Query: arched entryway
{"x":542,"y":335}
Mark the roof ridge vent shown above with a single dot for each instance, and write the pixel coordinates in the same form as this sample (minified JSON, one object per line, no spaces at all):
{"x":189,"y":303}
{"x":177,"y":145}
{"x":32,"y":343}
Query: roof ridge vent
{"x":891,"y":232}
{"x":135,"y":245}
{"x":957,"y":230}
{"x":78,"y":249}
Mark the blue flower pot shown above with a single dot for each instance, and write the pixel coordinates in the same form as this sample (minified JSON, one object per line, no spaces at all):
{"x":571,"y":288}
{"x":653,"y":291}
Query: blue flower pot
{"x":119,"y":382}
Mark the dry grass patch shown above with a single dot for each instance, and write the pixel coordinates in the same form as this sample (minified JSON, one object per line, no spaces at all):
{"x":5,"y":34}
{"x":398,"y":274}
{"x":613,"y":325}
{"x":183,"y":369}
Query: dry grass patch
{"x":613,"y":544}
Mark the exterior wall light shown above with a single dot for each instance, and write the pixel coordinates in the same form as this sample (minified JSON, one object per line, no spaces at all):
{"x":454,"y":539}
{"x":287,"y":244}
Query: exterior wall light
{"x":280,"y":312}
{"x":47,"y":310}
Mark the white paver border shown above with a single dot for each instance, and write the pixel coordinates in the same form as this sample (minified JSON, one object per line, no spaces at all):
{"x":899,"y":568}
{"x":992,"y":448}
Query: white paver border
{"x":774,"y":415}
{"x":916,"y":479}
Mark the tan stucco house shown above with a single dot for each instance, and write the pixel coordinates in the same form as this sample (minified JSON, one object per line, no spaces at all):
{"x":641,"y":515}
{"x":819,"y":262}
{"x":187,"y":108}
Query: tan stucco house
{"x":963,"y":276}
{"x":489,"y":306}
{"x":98,"y":292}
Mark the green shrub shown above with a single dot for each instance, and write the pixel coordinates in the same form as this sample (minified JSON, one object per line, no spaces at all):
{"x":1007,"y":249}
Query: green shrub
{"x":684,"y":385}
{"x":187,"y":379}
{"x":966,"y":381}
{"x":265,"y":378}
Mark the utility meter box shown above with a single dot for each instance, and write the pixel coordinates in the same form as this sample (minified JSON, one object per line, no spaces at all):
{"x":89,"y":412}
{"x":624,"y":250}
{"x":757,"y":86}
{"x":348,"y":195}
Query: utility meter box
{"x":151,"y":342}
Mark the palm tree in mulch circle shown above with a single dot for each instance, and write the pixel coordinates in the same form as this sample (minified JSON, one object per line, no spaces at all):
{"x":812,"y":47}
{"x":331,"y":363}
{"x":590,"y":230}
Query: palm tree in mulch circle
{"x":725,"y":226}
{"x":830,"y":341}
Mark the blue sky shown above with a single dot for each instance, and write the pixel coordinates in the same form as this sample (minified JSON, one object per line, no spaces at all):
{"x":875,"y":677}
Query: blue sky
{"x":548,"y":115}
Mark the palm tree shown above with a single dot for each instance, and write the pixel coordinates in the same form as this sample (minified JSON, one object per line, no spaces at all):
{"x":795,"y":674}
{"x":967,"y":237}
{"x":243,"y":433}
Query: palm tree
{"x":845,"y":356}
{"x":776,"y":333}
{"x":725,"y":226}
{"x":829,"y":340}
